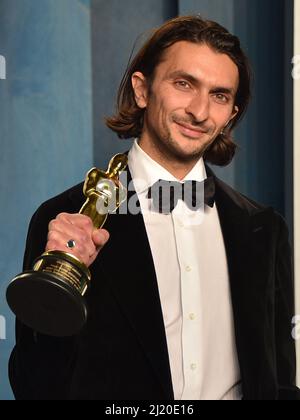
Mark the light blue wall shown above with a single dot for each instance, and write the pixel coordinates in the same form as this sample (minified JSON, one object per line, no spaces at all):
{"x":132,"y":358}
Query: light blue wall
{"x":45,"y":122}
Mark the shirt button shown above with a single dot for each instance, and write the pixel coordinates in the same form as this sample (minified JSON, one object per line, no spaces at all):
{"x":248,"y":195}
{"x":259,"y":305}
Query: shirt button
{"x":180,"y":224}
{"x":192,"y":317}
{"x":188,"y":268}
{"x":193,"y":366}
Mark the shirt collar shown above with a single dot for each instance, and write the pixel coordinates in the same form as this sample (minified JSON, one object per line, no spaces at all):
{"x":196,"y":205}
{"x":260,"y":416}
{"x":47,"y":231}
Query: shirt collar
{"x":146,"y":172}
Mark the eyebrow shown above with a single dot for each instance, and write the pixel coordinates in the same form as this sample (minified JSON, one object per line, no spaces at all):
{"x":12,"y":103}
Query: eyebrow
{"x":195,"y":81}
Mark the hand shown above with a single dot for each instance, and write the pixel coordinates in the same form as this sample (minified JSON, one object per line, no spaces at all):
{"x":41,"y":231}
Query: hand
{"x":89,"y":241}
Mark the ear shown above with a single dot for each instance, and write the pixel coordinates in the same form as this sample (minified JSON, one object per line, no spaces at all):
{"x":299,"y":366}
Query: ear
{"x":139,"y":85}
{"x":235,"y":111}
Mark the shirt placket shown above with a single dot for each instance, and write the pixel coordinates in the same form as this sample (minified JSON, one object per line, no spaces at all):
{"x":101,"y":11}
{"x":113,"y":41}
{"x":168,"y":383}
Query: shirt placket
{"x":191,"y":297}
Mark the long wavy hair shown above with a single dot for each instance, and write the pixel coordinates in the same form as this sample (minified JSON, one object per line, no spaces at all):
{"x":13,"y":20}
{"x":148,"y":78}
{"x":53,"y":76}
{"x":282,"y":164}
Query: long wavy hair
{"x":129,"y":118}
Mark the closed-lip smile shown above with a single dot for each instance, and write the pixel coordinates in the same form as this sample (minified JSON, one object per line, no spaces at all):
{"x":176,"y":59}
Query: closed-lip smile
{"x":190,"y":130}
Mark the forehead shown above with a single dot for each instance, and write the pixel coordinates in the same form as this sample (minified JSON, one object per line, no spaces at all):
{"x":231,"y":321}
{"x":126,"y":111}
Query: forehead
{"x":201,"y":61}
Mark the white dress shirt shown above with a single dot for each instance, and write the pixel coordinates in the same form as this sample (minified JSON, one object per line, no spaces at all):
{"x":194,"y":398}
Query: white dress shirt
{"x":191,"y":267}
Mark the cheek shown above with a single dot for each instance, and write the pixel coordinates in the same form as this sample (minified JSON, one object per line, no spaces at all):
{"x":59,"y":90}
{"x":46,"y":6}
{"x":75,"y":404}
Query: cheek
{"x":159,"y":110}
{"x":221,"y":115}
{"x":165,"y":102}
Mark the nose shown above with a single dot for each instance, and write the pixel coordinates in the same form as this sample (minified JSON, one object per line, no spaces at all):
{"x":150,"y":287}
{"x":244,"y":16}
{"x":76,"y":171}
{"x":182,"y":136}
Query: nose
{"x":199,"y":107}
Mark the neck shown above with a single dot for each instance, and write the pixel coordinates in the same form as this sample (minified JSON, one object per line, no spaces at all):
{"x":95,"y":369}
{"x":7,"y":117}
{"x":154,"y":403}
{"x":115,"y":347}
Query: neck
{"x":176,"y":166}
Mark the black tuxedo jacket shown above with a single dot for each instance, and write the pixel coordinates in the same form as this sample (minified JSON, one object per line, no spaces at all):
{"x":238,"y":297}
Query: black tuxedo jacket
{"x":122,"y":352}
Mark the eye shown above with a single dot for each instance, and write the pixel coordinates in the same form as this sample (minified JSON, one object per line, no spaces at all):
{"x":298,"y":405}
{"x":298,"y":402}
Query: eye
{"x":221,"y":98}
{"x":182,"y":84}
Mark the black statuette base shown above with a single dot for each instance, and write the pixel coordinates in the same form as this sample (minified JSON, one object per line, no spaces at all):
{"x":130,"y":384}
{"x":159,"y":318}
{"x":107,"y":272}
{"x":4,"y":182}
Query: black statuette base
{"x":47,"y":304}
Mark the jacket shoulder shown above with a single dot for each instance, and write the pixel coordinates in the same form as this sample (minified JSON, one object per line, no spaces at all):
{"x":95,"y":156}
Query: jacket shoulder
{"x":251,"y":207}
{"x":240,"y":199}
{"x":225,"y":192}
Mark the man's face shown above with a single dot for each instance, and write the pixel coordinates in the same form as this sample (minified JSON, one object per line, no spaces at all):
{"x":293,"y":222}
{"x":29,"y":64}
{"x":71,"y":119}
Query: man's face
{"x":190,"y":102}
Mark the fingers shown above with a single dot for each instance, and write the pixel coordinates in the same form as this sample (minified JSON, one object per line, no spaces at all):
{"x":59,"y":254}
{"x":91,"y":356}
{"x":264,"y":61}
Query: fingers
{"x":79,"y":220}
{"x":88,"y":241}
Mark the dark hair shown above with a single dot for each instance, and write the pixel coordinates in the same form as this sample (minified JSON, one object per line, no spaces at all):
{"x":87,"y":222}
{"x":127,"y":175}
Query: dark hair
{"x":128,"y":122}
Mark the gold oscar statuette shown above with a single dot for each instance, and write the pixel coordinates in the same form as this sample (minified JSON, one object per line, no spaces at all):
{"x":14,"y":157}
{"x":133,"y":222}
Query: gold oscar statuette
{"x":50,"y":298}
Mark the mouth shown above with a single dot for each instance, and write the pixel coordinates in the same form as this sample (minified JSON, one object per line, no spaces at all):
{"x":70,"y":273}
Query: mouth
{"x":190,"y":131}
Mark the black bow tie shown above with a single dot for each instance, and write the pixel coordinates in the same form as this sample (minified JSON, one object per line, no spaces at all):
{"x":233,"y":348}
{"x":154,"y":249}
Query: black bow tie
{"x":165,"y":194}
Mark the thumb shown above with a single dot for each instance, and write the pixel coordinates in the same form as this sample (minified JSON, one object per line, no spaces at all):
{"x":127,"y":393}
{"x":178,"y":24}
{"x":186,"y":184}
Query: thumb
{"x":100,"y":237}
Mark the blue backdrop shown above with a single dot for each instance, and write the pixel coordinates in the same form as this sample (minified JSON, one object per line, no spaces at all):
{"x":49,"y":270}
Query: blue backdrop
{"x":64,"y":61}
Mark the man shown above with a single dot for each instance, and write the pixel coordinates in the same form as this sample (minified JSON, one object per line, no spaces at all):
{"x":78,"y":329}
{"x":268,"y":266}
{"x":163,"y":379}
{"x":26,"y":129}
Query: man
{"x":184,"y":304}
